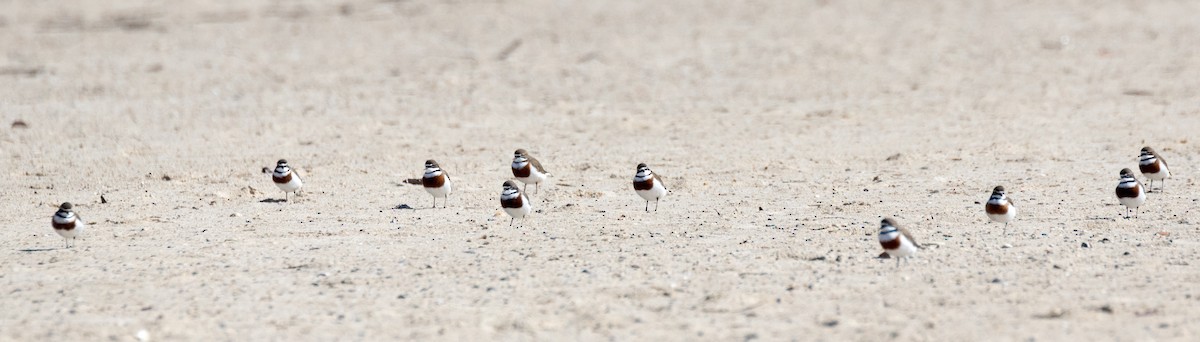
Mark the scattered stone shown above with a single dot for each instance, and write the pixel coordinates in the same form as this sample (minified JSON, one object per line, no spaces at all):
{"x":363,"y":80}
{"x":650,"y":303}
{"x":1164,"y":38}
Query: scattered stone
{"x":235,"y":215}
{"x":403,"y":206}
{"x":103,"y":200}
{"x":893,"y":157}
{"x":1106,"y":309}
{"x":830,"y":323}
{"x":166,"y":178}
{"x":19,"y":124}
{"x":1007,"y":245}
{"x":1085,"y":245}
{"x":997,"y":281}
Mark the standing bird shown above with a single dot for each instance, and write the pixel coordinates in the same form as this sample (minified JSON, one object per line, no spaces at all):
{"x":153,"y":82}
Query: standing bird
{"x":528,"y":170}
{"x":286,"y":179}
{"x":1154,"y":167}
{"x":1000,"y":208}
{"x":67,"y":224}
{"x":648,"y":185}
{"x":437,"y":182}
{"x":896,"y":241}
{"x":1129,"y":192}
{"x":514,"y":202}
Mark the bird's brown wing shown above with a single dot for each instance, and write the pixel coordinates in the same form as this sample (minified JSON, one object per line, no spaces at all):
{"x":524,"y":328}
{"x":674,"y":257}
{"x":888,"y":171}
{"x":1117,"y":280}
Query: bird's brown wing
{"x":537,"y":165}
{"x":659,"y":178}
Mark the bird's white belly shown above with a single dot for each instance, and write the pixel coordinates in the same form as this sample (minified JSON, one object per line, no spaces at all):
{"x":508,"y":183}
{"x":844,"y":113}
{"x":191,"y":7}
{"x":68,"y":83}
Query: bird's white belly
{"x":656,"y":192}
{"x":518,"y":212}
{"x":78,"y":231}
{"x":1006,"y":217}
{"x":1162,"y":174}
{"x":535,"y":177}
{"x":906,"y":249}
{"x":1133,"y":202}
{"x":441,"y":191}
{"x":290,"y":186}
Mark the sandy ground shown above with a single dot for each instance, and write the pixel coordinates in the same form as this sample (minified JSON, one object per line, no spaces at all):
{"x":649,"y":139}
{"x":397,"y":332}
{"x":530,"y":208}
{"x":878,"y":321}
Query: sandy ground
{"x":787,"y":130}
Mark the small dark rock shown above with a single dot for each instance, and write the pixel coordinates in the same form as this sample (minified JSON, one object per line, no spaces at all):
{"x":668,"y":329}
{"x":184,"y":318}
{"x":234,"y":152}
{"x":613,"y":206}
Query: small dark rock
{"x":403,"y":206}
{"x":1106,"y":309}
{"x":19,"y":124}
{"x":830,"y":323}
{"x":1085,"y":245}
{"x":166,"y":177}
{"x":996,"y":281}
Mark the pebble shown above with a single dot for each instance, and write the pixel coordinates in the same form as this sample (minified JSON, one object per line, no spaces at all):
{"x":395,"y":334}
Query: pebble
{"x":1006,"y":245}
{"x":1085,"y":245}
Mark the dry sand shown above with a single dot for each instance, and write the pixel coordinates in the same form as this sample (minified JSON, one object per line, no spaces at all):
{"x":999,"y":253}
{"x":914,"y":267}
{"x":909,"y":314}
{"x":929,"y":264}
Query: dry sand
{"x":774,"y":122}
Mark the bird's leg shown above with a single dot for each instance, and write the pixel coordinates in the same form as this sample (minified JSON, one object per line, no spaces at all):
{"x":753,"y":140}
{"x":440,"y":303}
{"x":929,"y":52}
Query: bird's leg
{"x":656,"y":205}
{"x":647,"y":206}
{"x":510,"y":221}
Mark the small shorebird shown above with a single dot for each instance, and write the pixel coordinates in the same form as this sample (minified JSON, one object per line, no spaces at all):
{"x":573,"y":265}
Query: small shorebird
{"x":648,"y":185}
{"x":67,"y":224}
{"x":527,"y":169}
{"x":896,"y":241}
{"x":286,"y":179}
{"x":514,"y":202}
{"x":1154,"y":167}
{"x":1000,"y":208}
{"x":1129,"y":192}
{"x":436,"y":182}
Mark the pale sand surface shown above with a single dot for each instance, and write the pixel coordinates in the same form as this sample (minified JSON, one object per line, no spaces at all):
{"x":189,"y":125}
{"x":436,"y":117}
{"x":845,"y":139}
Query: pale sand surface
{"x":773,"y":122}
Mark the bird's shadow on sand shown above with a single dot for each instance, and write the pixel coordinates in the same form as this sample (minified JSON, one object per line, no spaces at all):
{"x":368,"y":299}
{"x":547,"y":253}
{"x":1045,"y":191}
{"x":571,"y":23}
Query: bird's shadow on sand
{"x":29,"y":250}
{"x":273,"y":200}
